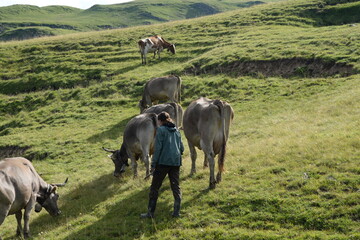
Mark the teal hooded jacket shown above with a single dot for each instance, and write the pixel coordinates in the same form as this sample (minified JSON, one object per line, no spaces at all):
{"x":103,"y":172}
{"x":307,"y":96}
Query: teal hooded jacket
{"x":168,"y":146}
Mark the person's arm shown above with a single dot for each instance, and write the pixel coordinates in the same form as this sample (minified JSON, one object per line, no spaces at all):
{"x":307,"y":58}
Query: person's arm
{"x":181,"y":147}
{"x":157,"y":148}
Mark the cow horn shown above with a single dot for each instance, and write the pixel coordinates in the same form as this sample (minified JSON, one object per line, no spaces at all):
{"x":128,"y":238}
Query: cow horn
{"x":108,"y":150}
{"x":61,"y":184}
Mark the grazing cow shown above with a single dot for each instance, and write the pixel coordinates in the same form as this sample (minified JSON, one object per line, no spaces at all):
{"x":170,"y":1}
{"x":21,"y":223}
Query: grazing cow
{"x":138,"y":141}
{"x":206,"y":126}
{"x":174,"y":109}
{"x":155,"y":44}
{"x":21,"y":187}
{"x":160,"y":89}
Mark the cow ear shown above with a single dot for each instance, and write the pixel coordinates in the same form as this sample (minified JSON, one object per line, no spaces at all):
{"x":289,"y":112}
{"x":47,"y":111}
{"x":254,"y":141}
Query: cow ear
{"x":53,"y":190}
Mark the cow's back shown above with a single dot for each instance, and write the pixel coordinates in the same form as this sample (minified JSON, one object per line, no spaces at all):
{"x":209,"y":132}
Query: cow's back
{"x":202,"y":123}
{"x":139,"y":130}
{"x":173,"y":109}
{"x":160,"y":88}
{"x":199,"y":117}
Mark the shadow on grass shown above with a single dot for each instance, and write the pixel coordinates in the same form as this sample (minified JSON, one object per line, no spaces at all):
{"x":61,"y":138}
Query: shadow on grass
{"x":122,"y":220}
{"x":113,"y":133}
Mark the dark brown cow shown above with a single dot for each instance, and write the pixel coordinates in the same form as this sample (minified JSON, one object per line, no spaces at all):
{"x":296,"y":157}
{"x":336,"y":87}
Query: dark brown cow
{"x":21,"y":187}
{"x":206,"y":125}
{"x":155,"y":44}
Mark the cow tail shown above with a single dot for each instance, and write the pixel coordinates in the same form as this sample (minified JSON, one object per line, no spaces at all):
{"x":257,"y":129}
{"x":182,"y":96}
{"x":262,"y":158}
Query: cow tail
{"x":179,"y":88}
{"x":223,"y":145}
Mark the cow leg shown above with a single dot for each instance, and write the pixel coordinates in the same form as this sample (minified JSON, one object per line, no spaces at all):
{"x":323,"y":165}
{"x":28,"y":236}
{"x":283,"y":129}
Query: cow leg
{"x":146,"y":161}
{"x":210,"y":157}
{"x":134,"y":166}
{"x":4,"y":210}
{"x":3,"y":213}
{"x":193,"y":158}
{"x":27,"y":212}
{"x":218,"y":176}
{"x":206,"y":161}
{"x":143,"y":58}
{"x":19,"y":229}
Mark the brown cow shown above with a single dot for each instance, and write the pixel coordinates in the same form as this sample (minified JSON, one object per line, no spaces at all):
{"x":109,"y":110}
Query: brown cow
{"x":161,"y":88}
{"x":21,"y":187}
{"x":138,"y":142}
{"x":155,"y":44}
{"x":173,"y":109}
{"x":206,"y":125}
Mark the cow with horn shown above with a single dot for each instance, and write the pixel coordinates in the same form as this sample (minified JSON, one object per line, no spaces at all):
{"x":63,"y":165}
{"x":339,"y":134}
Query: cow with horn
{"x":138,"y":142}
{"x":21,"y":187}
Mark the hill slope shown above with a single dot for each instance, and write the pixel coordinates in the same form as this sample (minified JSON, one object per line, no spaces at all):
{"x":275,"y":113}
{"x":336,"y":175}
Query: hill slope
{"x":292,"y":167}
{"x":19,"y":22}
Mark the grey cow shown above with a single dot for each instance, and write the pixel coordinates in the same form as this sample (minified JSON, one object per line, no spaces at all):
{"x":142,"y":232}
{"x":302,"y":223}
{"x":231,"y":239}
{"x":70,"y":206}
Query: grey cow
{"x":206,"y":125}
{"x":161,"y":89}
{"x":138,"y":142}
{"x":21,"y":187}
{"x":173,"y":109}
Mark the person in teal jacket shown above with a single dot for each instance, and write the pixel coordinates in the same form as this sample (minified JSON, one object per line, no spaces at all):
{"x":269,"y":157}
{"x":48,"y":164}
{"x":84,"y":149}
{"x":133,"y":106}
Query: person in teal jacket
{"x":166,"y":160}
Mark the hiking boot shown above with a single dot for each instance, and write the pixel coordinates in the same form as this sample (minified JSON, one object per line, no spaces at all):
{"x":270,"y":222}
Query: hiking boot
{"x":177,"y":205}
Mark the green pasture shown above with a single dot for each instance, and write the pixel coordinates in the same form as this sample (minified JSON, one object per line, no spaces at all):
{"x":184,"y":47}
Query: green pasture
{"x":289,"y":69}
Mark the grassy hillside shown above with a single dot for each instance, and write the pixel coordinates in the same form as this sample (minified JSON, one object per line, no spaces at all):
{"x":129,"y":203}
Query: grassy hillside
{"x":289,"y":69}
{"x":19,"y":22}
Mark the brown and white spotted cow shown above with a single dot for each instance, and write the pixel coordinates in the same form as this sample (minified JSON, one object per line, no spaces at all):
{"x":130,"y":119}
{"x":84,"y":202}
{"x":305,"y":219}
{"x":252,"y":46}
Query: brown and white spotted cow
{"x":155,"y":44}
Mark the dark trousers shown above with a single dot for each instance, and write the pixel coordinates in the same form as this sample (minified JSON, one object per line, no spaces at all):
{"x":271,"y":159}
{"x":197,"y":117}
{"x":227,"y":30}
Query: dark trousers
{"x":157,"y":180}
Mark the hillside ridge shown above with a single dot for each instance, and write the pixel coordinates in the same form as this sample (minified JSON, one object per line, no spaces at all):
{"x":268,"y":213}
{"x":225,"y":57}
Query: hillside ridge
{"x":20,"y":22}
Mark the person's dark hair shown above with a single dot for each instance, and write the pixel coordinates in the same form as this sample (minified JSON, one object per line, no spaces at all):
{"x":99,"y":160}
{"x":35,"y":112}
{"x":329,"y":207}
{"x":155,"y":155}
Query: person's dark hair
{"x":164,"y":117}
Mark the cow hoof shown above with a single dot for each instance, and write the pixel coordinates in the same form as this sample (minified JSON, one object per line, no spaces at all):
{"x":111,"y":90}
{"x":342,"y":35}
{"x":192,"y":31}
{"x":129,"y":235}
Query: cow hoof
{"x":218,"y":178}
{"x":26,"y":235}
{"x":212,"y":185}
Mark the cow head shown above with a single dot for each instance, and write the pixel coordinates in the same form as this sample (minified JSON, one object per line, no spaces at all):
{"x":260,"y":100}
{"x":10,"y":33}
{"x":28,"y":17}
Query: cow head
{"x":120,"y":160}
{"x":48,"y":199}
{"x":171,"y":48}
